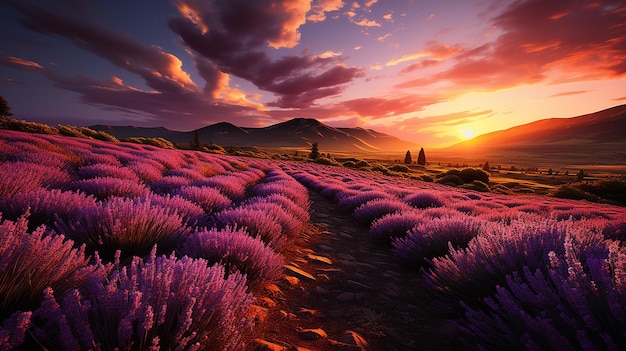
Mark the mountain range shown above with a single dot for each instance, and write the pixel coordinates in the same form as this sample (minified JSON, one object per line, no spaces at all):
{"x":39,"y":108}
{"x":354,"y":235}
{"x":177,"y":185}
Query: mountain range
{"x":295,"y":133}
{"x":592,"y":130}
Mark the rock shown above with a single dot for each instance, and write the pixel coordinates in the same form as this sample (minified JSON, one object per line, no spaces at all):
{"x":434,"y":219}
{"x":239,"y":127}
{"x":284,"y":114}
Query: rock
{"x":319,"y":259}
{"x":299,"y":272}
{"x":292,"y":280}
{"x":312,"y":334}
{"x":273,"y":288}
{"x":269,"y":346}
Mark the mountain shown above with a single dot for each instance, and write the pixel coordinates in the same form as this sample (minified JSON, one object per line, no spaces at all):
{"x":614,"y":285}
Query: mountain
{"x":295,"y":133}
{"x":595,"y":129}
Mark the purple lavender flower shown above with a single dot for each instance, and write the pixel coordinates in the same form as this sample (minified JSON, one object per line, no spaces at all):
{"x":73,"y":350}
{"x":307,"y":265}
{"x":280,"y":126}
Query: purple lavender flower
{"x":235,"y":249}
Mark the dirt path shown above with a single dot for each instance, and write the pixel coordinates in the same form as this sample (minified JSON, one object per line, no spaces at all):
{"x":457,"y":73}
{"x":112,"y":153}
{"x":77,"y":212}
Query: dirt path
{"x":353,"y":290}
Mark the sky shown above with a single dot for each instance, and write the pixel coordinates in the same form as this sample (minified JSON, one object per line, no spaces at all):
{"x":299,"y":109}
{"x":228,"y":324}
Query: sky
{"x":431,"y":72}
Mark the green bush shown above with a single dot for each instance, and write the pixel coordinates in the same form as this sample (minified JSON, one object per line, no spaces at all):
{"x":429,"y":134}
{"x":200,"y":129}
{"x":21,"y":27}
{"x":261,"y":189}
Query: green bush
{"x":471,"y":174}
{"x":450,"y":179}
{"x":574,"y":193}
{"x":399,"y":168}
{"x":28,"y":127}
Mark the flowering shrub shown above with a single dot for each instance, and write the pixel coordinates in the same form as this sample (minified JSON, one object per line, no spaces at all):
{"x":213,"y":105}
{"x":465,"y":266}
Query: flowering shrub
{"x":395,"y":225}
{"x":162,"y":303}
{"x":105,"y":187}
{"x":425,"y":199}
{"x":352,"y":202}
{"x":133,"y":226}
{"x":375,"y":209}
{"x":257,"y":223}
{"x":191,"y":214}
{"x":30,"y":262}
{"x":235,"y":249}
{"x":166,"y":185}
{"x":43,"y":205}
{"x":473,"y":273}
{"x":104,"y":170}
{"x":435,"y":237}
{"x":210,"y":199}
{"x":578,"y":302}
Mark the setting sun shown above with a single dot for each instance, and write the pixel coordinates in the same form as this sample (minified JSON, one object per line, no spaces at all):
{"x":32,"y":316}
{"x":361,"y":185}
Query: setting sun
{"x":467,"y":134}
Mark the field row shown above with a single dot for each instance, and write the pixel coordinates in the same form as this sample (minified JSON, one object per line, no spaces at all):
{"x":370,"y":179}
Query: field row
{"x":515,"y":273}
{"x":119,"y":245}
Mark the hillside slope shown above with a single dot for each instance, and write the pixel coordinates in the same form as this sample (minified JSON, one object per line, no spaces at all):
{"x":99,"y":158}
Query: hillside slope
{"x":602,"y":127}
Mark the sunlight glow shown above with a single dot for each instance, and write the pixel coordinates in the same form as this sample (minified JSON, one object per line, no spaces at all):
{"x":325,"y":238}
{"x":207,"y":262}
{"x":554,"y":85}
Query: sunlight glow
{"x":467,"y":134}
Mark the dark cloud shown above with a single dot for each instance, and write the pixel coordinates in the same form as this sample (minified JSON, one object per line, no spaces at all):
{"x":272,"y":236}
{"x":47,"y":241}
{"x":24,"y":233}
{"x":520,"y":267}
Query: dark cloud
{"x":174,"y":100}
{"x":235,"y":36}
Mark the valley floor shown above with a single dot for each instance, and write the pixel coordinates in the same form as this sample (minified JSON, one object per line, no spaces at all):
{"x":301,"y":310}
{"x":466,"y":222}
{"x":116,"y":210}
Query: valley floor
{"x":361,"y":297}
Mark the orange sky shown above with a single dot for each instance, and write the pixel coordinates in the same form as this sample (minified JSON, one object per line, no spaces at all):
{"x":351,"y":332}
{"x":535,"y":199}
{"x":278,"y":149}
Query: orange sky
{"x":433,"y":73}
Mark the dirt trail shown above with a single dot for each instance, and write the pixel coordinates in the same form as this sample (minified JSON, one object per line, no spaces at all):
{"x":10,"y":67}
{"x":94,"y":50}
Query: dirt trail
{"x":357,"y":294}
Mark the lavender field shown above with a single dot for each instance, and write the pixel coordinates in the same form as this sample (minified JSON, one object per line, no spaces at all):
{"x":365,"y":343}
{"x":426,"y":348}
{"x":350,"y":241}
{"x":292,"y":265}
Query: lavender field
{"x":125,"y":246}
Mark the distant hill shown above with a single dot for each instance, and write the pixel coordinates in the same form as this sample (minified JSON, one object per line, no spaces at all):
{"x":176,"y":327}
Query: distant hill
{"x":297,"y":133}
{"x":594,"y":130}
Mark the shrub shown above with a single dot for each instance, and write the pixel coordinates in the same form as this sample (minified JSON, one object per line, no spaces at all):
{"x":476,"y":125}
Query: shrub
{"x":235,"y":249}
{"x":374,"y":209}
{"x":105,"y":170}
{"x":28,"y":127}
{"x":162,"y":303}
{"x":476,"y":185}
{"x":191,"y":214}
{"x":425,"y":199}
{"x":99,"y":135}
{"x":471,"y":174}
{"x":105,"y":187}
{"x":351,"y":202}
{"x":450,"y":179}
{"x":472,"y":273}
{"x":574,"y":193}
{"x":43,"y":205}
{"x":257,"y":223}
{"x":435,"y":237}
{"x":300,"y":213}
{"x":579,"y":302}
{"x":399,"y":168}
{"x":169,"y":184}
{"x":395,"y":225}
{"x":210,"y":199}
{"x":133,"y":226}
{"x":30,"y":262}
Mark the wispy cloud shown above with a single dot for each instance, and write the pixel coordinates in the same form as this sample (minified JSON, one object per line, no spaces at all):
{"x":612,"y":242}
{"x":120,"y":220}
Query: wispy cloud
{"x":568,"y":93}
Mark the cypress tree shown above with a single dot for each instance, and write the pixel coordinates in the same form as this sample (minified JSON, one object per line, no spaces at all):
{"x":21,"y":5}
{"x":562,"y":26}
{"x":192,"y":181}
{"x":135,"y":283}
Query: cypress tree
{"x":196,"y":140}
{"x":421,"y":158}
{"x":315,"y":152}
{"x":407,"y":158}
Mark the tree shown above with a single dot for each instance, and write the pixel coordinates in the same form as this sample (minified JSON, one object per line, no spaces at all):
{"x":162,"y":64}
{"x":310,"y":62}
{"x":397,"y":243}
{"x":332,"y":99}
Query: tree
{"x":196,"y":140}
{"x":5,"y":109}
{"x":486,"y":167}
{"x":315,"y":152}
{"x":581,"y":176}
{"x":407,"y":158}
{"x":421,"y":158}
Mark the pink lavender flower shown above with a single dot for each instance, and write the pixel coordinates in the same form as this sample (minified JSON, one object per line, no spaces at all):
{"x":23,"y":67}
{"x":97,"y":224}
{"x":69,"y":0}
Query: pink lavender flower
{"x":106,"y":187}
{"x":210,"y":199}
{"x":133,"y":226}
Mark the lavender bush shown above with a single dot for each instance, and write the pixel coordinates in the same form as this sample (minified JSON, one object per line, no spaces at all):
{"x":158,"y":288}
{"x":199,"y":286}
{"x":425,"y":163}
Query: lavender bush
{"x":210,"y":199}
{"x":133,"y":226}
{"x":105,"y":187}
{"x":162,"y":303}
{"x":577,"y":303}
{"x":375,"y":209}
{"x":256,"y":222}
{"x":235,"y":249}
{"x":32,"y":261}
{"x":435,"y":238}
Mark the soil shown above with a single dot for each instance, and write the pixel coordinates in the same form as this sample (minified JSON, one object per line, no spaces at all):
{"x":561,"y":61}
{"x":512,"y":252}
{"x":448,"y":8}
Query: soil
{"x":343,"y":291}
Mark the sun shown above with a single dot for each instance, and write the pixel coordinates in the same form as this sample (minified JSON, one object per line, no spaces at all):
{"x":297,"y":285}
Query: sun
{"x":467,"y":134}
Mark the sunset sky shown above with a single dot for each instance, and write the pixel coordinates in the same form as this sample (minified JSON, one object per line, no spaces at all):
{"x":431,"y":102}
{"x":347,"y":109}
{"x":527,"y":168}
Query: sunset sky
{"x":430,"y":72}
